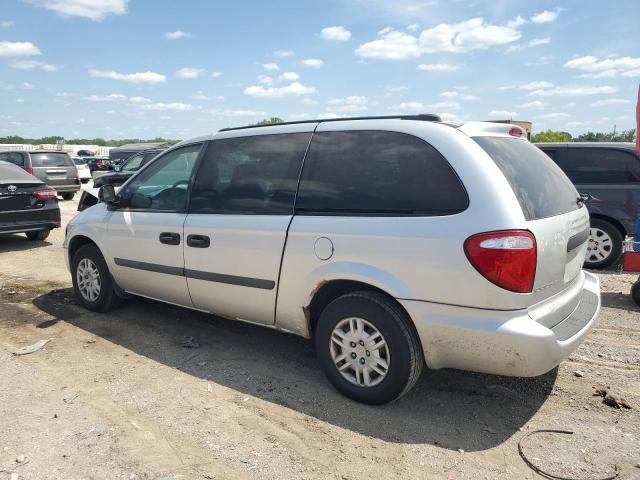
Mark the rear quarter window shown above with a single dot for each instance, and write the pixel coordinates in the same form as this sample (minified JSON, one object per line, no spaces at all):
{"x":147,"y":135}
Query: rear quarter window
{"x":377,"y":173}
{"x":51,"y":160}
{"x":542,"y":188}
{"x":601,"y":165}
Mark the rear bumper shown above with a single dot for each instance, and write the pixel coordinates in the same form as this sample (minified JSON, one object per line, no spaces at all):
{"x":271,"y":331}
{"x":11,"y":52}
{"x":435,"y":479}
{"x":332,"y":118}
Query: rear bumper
{"x":502,"y":342}
{"x":44,"y":218}
{"x":66,"y":188}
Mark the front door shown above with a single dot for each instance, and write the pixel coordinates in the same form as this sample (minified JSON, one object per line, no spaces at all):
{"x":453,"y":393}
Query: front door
{"x":240,"y":210}
{"x":145,"y":233}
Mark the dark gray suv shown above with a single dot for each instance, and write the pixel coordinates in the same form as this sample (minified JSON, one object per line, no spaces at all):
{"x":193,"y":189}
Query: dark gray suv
{"x":53,"y":167}
{"x":610,"y":173}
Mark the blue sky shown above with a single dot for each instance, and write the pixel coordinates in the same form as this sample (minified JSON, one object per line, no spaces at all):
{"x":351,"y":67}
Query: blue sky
{"x":146,"y":68}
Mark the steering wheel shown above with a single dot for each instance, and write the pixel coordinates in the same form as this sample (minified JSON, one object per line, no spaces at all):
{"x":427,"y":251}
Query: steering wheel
{"x":179,"y":182}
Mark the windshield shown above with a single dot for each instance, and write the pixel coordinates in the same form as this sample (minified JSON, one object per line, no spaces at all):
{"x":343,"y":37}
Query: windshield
{"x":134,"y":163}
{"x":51,"y":160}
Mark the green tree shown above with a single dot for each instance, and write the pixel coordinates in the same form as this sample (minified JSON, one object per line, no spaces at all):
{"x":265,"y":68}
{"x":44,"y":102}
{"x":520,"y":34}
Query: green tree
{"x":270,"y":121}
{"x":551,"y":136}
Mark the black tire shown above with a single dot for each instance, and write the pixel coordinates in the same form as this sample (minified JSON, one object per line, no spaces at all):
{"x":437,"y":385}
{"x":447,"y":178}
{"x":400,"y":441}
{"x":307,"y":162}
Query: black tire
{"x":68,"y":195}
{"x":38,"y":236}
{"x":405,"y":353}
{"x":610,"y":250}
{"x":107,"y":299}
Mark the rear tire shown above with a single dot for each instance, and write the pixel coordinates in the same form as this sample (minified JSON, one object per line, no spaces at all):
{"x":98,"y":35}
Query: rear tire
{"x":348,"y":338}
{"x":605,"y":244}
{"x":38,"y":236}
{"x":68,"y":195}
{"x":92,"y":281}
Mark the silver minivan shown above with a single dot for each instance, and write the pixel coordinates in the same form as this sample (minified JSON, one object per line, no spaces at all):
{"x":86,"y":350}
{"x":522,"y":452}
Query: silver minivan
{"x":53,"y":167}
{"x":394,"y":243}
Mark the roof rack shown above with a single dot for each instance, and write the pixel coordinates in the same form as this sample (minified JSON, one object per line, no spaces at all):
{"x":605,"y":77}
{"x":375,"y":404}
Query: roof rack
{"x":426,"y":117}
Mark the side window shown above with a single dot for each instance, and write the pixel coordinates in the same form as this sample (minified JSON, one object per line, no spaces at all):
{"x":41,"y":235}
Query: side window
{"x":133,"y":163}
{"x":163,"y":186}
{"x":601,"y":165}
{"x":250,"y":175}
{"x":377,"y":173}
{"x":13,"y":157}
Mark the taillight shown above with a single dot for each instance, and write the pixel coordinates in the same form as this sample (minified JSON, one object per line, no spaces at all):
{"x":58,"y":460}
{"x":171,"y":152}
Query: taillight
{"x":46,"y":194}
{"x":29,"y":170}
{"x":506,"y":258}
{"x":515,"y":132}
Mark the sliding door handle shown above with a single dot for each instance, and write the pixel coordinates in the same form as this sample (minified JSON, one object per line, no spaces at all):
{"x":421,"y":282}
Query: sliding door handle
{"x":170,"y":238}
{"x":198,"y":241}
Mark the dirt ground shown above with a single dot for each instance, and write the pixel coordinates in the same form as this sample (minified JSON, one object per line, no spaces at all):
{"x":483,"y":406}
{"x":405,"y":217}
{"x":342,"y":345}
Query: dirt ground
{"x":117,"y":396}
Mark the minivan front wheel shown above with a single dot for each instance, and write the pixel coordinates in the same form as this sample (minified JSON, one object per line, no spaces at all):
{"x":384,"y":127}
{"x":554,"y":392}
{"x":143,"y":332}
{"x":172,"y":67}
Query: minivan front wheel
{"x":92,"y":281}
{"x":368,"y":347}
{"x":604,"y":245}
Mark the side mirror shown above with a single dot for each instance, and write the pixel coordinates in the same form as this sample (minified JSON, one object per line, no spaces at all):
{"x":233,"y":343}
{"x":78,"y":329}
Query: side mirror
{"x":107,"y":194}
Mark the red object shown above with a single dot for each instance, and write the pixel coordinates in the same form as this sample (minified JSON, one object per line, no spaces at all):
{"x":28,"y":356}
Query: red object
{"x":515,"y":132}
{"x":631,"y":262}
{"x":29,"y":170}
{"x":46,"y":194}
{"x":506,"y":258}
{"x":638,"y":122}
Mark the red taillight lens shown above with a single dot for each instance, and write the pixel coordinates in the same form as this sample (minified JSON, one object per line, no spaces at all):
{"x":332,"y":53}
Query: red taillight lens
{"x":46,"y":194}
{"x":515,"y":132}
{"x":29,"y":170}
{"x":507,"y":258}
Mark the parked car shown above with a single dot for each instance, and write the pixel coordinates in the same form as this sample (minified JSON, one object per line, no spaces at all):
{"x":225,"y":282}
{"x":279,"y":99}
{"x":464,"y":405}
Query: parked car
{"x":609,"y":172}
{"x":99,"y":164}
{"x":27,"y":204}
{"x":394,"y":242}
{"x":53,"y":167}
{"x":85,"y":153}
{"x":123,"y":152}
{"x":84,"y":172}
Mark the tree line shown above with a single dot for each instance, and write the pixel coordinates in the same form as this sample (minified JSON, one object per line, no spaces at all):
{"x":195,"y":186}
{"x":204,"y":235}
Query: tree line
{"x":557,"y":136}
{"x":101,"y":142}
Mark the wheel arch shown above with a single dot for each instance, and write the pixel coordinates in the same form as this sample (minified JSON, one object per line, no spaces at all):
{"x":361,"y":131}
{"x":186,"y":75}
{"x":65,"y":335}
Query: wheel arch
{"x":616,"y":223}
{"x":78,"y":241}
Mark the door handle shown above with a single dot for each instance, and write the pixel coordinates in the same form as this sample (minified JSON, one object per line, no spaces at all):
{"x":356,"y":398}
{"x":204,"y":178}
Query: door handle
{"x":198,"y":241}
{"x":170,"y":238}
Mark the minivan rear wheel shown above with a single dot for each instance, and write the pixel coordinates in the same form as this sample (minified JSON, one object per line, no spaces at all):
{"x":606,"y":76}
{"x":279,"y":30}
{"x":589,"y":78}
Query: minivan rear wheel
{"x":605,"y":244}
{"x":92,"y":281}
{"x":368,"y":347}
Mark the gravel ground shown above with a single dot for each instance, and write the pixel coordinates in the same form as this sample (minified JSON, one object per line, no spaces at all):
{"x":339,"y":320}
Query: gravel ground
{"x":117,"y":396}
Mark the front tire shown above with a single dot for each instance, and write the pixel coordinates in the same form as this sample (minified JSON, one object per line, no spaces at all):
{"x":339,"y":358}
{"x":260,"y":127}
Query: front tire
{"x":368,"y":347}
{"x":38,"y":236}
{"x":92,"y":281}
{"x":68,"y":195}
{"x":605,"y":244}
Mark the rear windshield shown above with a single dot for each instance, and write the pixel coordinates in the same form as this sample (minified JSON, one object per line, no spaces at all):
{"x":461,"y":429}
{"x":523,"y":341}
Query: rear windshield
{"x":51,"y":160}
{"x":541,"y":187}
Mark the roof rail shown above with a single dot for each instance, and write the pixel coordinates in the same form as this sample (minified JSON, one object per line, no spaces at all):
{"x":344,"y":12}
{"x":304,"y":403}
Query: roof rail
{"x":426,"y":117}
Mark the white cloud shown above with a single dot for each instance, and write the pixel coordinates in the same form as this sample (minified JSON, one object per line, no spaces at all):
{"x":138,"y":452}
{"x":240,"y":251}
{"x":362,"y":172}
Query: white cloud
{"x":458,"y":95}
{"x":177,"y":35}
{"x":400,"y":88}
{"x":607,"y":67}
{"x":610,"y":101}
{"x":299,"y":116}
{"x":516,"y":22}
{"x":438,"y":67}
{"x":502,"y":114}
{"x":26,"y":86}
{"x":289,"y":76}
{"x":312,"y":62}
{"x":142,"y":77}
{"x":353,"y":103}
{"x":271,"y":66}
{"x":32,"y":64}
{"x":199,"y":95}
{"x":6,"y":24}
{"x":294,"y":89}
{"x":553,"y":116}
{"x":283,"y":53}
{"x":18,"y":49}
{"x":535,"y":105}
{"x":308,"y":101}
{"x":47,"y":67}
{"x":176,"y":106}
{"x":139,"y":100}
{"x":188,"y":73}
{"x":339,"y":34}
{"x":465,"y":36}
{"x":421,"y":107}
{"x":573,"y":91}
{"x":95,"y":10}
{"x":243,"y":113}
{"x":536,"y":85}
{"x":265,"y":79}
{"x":414,"y":27}
{"x":531,"y":43}
{"x":19,"y":100}
{"x":384,"y":30}
{"x":114,"y":97}
{"x":216,"y":74}
{"x":111,"y":112}
{"x":546,"y":16}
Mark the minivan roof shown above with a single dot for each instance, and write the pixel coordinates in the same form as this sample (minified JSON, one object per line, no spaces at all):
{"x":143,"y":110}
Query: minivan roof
{"x":626,"y":145}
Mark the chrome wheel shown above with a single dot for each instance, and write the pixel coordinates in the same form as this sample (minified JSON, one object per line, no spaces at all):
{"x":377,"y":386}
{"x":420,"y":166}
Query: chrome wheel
{"x":359,"y":352}
{"x":600,"y":245}
{"x":88,"y":279}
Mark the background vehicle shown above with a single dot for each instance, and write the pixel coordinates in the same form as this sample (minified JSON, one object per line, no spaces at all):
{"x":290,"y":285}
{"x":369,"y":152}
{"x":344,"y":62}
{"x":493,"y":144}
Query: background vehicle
{"x":125,"y":151}
{"x":99,"y":164}
{"x":127,"y":168}
{"x":394,"y":242}
{"x":85,"y":153}
{"x":84,"y":172}
{"x":26,"y":203}
{"x":610,"y":173}
{"x":53,"y":167}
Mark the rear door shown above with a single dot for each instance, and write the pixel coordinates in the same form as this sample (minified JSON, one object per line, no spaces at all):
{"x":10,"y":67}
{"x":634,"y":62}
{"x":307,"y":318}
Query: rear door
{"x":241,"y":207}
{"x":551,"y":207}
{"x":56,"y":169}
